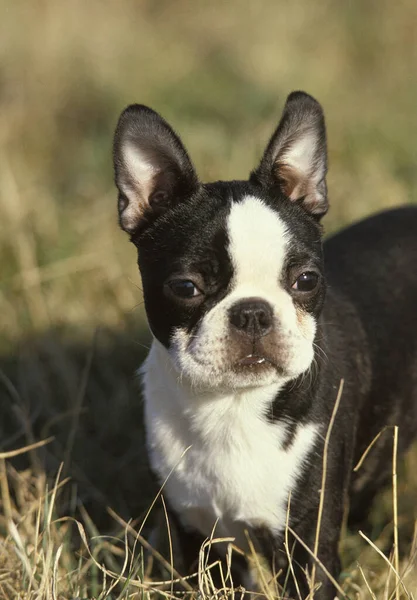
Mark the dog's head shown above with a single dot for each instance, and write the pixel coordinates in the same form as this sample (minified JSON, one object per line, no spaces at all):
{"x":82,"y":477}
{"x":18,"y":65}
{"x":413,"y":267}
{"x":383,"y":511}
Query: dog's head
{"x":232,"y":271}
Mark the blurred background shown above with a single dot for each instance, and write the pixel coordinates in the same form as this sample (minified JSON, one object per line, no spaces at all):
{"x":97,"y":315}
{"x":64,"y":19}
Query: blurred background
{"x":72,"y":329}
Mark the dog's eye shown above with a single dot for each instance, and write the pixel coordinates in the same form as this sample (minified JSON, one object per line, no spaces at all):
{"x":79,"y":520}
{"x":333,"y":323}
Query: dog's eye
{"x":306,"y":282}
{"x":184,"y":288}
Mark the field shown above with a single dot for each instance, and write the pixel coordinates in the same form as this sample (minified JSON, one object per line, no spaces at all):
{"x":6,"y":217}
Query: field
{"x":72,"y":325}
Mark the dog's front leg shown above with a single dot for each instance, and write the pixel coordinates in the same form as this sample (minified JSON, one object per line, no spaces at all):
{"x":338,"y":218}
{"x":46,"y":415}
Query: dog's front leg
{"x":195,"y":556}
{"x":296,"y":572}
{"x":301,"y":566}
{"x":187,"y":545}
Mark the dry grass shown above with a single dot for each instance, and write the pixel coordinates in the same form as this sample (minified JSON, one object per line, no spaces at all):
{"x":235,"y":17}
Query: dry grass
{"x":219,"y":72}
{"x":45,"y":556}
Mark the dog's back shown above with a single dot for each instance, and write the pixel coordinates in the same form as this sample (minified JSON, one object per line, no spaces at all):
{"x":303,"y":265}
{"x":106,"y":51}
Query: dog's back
{"x":381,"y":250}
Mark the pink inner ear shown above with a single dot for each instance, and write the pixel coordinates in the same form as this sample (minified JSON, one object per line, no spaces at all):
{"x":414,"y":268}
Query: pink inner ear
{"x":293,"y":183}
{"x":296,"y":185}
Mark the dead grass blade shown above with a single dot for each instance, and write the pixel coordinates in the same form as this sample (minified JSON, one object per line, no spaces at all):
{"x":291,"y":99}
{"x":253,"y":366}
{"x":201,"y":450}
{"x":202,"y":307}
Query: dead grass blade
{"x":319,"y":563}
{"x":323,"y":479}
{"x":395,"y":510}
{"x":287,"y":548}
{"x":157,"y":555}
{"x":24,"y":449}
{"x":391,"y":566}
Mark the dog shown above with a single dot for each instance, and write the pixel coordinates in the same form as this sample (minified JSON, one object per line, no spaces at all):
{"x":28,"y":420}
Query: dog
{"x":258,"y":327}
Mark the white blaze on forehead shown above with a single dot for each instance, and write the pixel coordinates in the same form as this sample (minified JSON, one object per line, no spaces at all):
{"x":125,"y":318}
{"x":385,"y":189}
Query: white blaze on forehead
{"x":258,"y":245}
{"x":258,"y":239}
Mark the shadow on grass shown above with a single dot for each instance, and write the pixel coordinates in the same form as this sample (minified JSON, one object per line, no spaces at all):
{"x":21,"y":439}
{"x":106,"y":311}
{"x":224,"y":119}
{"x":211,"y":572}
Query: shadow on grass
{"x":87,"y":396}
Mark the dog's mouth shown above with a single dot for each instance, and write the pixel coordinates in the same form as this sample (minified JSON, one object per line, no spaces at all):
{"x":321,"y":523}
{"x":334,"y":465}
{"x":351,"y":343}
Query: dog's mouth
{"x":255,"y":361}
{"x":252,"y":360}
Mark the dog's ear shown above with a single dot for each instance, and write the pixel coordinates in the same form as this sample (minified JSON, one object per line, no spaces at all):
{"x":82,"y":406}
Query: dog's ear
{"x":152,"y":168}
{"x":295,"y":159}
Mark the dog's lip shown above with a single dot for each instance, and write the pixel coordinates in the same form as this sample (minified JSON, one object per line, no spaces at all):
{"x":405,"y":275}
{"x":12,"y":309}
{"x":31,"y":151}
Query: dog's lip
{"x":253,"y":360}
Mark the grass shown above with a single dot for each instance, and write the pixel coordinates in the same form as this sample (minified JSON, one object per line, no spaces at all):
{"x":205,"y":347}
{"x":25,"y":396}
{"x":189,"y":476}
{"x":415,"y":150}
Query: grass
{"x":73,"y":330}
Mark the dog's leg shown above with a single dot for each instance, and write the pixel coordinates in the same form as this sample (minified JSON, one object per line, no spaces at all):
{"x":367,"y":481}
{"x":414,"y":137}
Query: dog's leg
{"x":187,"y":547}
{"x":296,"y":572}
{"x":295,"y":561}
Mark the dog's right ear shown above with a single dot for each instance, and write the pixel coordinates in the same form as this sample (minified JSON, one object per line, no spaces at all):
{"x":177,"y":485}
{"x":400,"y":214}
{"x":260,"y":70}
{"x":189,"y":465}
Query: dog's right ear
{"x":295,"y":160}
{"x":152,"y":168}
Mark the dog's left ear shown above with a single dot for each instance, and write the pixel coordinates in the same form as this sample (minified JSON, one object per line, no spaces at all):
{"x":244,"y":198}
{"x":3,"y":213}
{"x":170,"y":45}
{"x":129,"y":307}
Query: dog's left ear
{"x":152,"y":168}
{"x":295,"y":159}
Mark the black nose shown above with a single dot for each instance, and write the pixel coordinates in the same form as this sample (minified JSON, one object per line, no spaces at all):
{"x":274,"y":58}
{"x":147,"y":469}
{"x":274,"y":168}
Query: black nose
{"x":252,"y":316}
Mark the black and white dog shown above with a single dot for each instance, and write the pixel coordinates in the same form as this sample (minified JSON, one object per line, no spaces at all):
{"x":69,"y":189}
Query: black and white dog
{"x":254,"y":328}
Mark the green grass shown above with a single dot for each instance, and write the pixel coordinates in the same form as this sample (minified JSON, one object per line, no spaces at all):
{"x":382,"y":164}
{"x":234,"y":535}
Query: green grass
{"x":73,"y":330}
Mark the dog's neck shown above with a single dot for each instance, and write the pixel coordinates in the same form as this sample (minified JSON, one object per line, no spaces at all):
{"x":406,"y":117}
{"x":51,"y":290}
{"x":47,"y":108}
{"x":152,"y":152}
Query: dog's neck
{"x":168,"y":392}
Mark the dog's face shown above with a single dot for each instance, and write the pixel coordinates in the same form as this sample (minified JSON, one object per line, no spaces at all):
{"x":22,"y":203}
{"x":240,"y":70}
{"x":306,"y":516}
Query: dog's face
{"x":232,"y":271}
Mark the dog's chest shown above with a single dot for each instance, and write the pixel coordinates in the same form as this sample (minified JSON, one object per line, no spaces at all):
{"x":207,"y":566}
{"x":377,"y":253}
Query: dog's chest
{"x":223,"y":460}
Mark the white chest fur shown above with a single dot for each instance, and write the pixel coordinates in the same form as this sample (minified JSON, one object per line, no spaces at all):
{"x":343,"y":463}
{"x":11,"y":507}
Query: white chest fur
{"x":222,"y":458}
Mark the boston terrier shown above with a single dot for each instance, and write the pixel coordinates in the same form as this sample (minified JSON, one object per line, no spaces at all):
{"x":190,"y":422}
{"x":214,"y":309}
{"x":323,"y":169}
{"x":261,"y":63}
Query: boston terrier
{"x":255,"y":324}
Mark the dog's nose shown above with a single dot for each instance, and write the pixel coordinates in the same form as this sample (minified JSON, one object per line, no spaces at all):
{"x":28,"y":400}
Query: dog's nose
{"x":252,"y":316}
